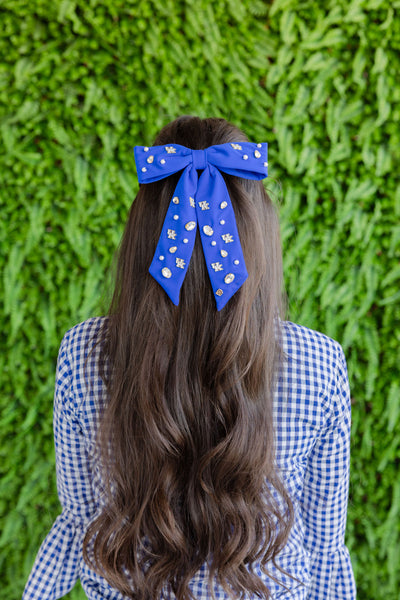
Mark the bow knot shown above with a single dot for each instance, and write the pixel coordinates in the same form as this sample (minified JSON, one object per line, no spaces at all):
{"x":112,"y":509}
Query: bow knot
{"x":199,"y":158}
{"x":201,"y":203}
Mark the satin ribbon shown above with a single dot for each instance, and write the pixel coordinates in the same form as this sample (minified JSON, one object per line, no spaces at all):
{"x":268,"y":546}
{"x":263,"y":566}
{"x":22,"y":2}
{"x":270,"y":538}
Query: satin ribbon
{"x":204,"y":203}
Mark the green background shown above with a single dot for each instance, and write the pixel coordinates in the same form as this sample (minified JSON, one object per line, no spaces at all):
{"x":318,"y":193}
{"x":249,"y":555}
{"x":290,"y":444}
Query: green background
{"x":81,"y":83}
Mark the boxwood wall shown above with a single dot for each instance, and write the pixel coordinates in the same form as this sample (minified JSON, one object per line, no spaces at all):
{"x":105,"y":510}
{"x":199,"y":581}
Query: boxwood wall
{"x":82,"y":82}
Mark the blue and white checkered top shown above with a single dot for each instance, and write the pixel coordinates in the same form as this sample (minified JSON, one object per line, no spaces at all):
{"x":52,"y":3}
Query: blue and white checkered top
{"x":312,"y":418}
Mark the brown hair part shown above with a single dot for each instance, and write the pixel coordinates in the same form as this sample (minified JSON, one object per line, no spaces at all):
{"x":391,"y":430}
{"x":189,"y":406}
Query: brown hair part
{"x":186,"y":439}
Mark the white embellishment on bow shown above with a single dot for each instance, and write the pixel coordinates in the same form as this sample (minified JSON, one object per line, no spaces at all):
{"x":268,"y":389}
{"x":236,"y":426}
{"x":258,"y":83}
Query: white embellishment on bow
{"x":227,"y":238}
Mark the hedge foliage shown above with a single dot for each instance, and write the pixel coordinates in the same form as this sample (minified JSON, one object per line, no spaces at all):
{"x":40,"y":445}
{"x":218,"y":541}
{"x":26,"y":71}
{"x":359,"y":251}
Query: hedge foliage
{"x":82,"y":82}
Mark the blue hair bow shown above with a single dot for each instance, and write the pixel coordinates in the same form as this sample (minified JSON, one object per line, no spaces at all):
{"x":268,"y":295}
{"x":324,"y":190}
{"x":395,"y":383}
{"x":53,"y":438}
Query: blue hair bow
{"x":202,"y":202}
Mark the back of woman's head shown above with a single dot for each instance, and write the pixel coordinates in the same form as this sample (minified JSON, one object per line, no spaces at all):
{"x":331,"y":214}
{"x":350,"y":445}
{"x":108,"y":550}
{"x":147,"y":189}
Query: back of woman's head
{"x":186,"y":437}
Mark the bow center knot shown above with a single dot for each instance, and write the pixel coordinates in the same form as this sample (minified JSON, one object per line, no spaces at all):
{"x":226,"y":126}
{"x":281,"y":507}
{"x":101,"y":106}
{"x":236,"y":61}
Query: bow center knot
{"x":199,"y":159}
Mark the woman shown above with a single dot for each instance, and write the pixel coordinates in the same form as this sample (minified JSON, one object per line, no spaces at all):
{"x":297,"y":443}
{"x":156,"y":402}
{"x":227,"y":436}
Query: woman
{"x":202,"y":443}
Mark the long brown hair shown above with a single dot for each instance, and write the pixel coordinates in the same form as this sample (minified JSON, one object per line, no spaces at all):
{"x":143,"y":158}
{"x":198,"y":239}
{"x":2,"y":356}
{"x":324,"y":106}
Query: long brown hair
{"x":186,"y":437}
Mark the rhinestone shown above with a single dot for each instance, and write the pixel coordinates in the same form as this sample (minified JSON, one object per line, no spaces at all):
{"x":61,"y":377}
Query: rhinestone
{"x":146,"y":149}
{"x":185,"y":241}
{"x":192,"y":204}
{"x":190,"y":225}
{"x":236,"y":146}
{"x":245,"y":157}
{"x":166,"y":272}
{"x":227,"y":238}
{"x":176,"y":217}
{"x":223,"y":204}
{"x":161,"y":257}
{"x":257,"y":154}
{"x":204,"y":205}
{"x":170,"y":149}
{"x":144,"y":169}
{"x":162,"y":161}
{"x":180,"y":263}
{"x":259,"y":145}
{"x":217,"y":266}
{"x":229,"y":278}
{"x":150,"y":159}
{"x":208,"y":230}
{"x":222,"y":222}
{"x":175,"y":200}
{"x":224,"y":253}
{"x":236,"y":262}
{"x":219,"y":292}
{"x":265,"y":164}
{"x":173,"y":249}
{"x":213,"y":243}
{"x":171,"y":233}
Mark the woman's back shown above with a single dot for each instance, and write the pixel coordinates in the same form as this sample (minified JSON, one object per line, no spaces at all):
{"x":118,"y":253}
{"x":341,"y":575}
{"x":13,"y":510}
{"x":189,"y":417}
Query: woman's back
{"x":207,"y":443}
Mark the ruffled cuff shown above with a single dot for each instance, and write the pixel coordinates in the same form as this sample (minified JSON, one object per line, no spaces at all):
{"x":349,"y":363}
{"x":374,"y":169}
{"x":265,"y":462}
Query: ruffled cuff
{"x":331,"y":576}
{"x":56,"y":567}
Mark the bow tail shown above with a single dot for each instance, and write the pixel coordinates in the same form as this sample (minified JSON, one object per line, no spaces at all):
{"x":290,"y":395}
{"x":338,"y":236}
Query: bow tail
{"x":175,"y":245}
{"x":219,"y":236}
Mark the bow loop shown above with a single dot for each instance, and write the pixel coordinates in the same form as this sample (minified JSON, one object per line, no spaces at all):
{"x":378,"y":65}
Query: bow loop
{"x":202,"y":203}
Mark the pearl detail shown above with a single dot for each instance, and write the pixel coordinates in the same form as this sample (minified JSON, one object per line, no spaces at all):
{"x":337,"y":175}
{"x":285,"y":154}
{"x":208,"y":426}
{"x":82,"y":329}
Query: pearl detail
{"x":245,"y":157}
{"x":236,"y":262}
{"x":161,"y":257}
{"x":175,"y":200}
{"x":162,"y":161}
{"x":185,"y":241}
{"x":213,"y":243}
{"x":146,"y":149}
{"x":176,"y":217}
{"x":144,"y":169}
{"x":222,"y":222}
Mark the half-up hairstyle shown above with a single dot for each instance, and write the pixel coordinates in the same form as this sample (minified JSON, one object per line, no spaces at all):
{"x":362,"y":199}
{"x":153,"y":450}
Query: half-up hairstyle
{"x":186,"y":436}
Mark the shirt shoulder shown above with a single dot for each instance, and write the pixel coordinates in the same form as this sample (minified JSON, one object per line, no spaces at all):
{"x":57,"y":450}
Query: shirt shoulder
{"x":80,"y":335}
{"x":314,"y":365}
{"x":312,"y":347}
{"x":78,"y":358}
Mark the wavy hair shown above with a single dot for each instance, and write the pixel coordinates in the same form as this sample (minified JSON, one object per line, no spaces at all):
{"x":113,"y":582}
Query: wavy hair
{"x":186,"y":439}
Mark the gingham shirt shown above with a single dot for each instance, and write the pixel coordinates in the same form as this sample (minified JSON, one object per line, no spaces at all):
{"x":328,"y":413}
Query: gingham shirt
{"x":312,"y":421}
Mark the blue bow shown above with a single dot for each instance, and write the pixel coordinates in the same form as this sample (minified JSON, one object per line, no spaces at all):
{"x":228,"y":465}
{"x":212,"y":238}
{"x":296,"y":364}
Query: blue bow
{"x":202,"y":202}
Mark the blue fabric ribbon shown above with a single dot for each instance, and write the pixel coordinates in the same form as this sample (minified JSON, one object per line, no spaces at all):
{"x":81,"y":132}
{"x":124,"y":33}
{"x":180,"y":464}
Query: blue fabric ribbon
{"x":201,"y":202}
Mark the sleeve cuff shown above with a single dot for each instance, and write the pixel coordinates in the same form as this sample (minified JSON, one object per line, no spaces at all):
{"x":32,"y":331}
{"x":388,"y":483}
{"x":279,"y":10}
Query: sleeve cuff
{"x":332,"y":576}
{"x":56,"y":567}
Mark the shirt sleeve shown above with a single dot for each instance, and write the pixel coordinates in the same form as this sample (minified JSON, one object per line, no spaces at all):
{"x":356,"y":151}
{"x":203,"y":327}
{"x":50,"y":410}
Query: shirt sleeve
{"x":325,"y":497}
{"x":56,"y":567}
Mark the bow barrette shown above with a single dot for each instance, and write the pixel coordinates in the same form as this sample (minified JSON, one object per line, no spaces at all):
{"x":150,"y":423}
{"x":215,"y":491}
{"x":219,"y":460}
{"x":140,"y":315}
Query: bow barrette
{"x":201,"y":202}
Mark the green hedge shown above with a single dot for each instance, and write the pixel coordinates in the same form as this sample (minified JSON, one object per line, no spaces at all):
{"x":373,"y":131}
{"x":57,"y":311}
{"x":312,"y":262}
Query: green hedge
{"x":81,"y":83}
